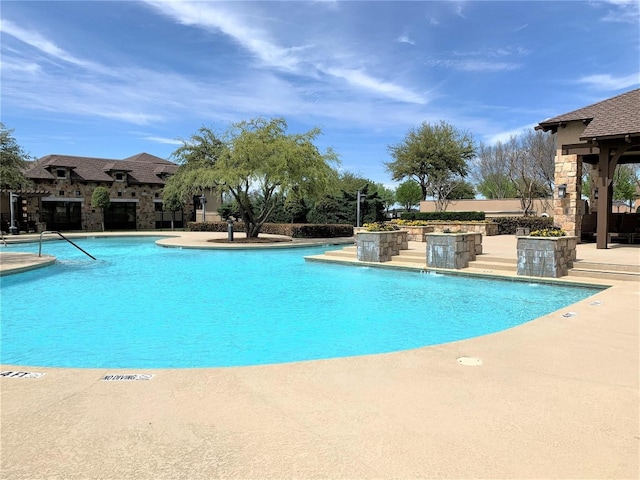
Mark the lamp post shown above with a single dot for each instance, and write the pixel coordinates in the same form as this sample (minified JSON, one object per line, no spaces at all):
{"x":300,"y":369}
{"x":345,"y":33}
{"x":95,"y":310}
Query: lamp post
{"x":230,"y":229}
{"x":360,"y":197}
{"x":13,"y":230}
{"x":203,"y":201}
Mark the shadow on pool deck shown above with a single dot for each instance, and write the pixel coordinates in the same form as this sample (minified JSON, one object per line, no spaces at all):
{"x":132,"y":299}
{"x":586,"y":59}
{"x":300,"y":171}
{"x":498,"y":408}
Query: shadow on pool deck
{"x":552,"y":398}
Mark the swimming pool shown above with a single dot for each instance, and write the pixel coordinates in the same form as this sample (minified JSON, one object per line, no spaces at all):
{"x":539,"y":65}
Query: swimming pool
{"x":144,"y":306}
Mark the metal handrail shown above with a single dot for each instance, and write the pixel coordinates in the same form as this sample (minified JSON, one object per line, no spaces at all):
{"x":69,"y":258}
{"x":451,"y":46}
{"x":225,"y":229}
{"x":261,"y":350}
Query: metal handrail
{"x":64,"y":238}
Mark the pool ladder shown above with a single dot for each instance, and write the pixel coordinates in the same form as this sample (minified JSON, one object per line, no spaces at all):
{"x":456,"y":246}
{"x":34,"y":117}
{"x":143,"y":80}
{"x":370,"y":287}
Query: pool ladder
{"x":64,"y":238}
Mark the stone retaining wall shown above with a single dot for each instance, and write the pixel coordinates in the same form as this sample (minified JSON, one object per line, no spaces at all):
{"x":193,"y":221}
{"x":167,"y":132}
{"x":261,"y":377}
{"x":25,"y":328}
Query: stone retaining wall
{"x":485,"y":228}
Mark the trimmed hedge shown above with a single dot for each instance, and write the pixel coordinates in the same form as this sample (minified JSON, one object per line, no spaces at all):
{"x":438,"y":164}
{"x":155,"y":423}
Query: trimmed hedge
{"x":447,"y":216}
{"x":509,"y":225}
{"x":293,"y":230}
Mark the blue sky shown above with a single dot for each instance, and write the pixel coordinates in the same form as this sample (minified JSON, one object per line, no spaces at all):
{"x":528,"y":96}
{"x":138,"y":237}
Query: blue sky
{"x":113,"y":79}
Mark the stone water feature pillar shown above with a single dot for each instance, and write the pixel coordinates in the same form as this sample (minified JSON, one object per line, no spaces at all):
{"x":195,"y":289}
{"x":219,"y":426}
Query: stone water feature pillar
{"x":546,"y":256}
{"x":451,"y":250}
{"x":380,"y":246}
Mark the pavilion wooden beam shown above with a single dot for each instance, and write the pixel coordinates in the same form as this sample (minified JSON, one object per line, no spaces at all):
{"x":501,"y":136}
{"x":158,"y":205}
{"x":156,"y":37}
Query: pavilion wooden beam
{"x":607,"y":161}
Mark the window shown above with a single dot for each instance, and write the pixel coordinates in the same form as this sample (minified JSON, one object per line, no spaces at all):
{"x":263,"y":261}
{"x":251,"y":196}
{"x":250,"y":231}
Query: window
{"x":119,"y":177}
{"x":61,"y":173}
{"x":119,"y":194}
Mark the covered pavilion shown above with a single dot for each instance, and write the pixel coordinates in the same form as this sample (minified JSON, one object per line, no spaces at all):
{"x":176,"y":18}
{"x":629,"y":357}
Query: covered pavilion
{"x":603,"y":135}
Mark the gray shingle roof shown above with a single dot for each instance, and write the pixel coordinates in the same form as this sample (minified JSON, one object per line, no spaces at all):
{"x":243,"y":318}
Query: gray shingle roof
{"x":141,"y":168}
{"x":614,"y":117}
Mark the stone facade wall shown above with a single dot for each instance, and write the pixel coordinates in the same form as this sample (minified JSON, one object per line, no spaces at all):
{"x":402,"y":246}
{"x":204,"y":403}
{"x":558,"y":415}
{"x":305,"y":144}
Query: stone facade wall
{"x":451,"y":250}
{"x":380,"y":246}
{"x":546,"y":256}
{"x":144,"y":196}
{"x":566,"y":211}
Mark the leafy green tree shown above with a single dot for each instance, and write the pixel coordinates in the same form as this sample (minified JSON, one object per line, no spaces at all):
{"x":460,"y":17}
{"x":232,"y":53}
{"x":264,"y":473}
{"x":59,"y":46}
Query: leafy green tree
{"x":409,"y":194}
{"x":258,"y":164}
{"x":13,"y":160}
{"x":197,"y":156}
{"x":100,"y":199}
{"x":462,"y":191}
{"x":329,"y":209}
{"x":435,"y":156}
{"x":387,"y":196}
{"x":497,"y":187}
{"x":172,"y":202}
{"x":625,"y":184}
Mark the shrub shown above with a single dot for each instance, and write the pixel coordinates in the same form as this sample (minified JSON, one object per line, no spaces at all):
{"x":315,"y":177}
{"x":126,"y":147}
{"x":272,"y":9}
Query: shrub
{"x":379,"y":227}
{"x":294,"y":230}
{"x":509,"y":225}
{"x":548,"y":232}
{"x":447,"y":216}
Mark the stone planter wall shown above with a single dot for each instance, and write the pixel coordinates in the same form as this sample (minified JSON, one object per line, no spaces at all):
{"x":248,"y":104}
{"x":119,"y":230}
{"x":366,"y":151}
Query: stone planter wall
{"x":416,"y":234}
{"x":380,"y":246}
{"x":451,"y":250}
{"x":485,"y":228}
{"x":546,"y":256}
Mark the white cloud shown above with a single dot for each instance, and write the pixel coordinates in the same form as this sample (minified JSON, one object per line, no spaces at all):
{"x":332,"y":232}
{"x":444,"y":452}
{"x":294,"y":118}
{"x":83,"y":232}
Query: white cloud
{"x":608,"y":82}
{"x":360,"y":79}
{"x":622,"y":11}
{"x":475,"y":65}
{"x":37,"y":41}
{"x":405,"y":39}
{"x":505,"y":135}
{"x":260,"y":43}
{"x":163,"y":140}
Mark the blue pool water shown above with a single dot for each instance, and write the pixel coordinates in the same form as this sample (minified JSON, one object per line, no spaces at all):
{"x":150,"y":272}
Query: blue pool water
{"x":144,"y":306}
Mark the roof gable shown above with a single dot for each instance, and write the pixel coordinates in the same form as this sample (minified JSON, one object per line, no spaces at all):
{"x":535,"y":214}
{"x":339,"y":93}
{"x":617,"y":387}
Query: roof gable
{"x":614,"y":117}
{"x":147,"y":158}
{"x":143,"y":169}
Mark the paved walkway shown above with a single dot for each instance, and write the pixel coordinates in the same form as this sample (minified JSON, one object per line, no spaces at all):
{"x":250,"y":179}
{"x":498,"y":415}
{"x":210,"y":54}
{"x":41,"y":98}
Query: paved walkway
{"x":553,"y":398}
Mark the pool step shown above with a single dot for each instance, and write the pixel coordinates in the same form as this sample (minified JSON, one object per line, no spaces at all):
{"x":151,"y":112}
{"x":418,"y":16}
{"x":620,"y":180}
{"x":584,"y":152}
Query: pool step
{"x":609,"y":267}
{"x":487,"y":264}
{"x":606,"y":271}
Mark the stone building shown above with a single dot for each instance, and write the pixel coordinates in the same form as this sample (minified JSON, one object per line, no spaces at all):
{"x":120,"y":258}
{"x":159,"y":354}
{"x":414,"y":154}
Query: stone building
{"x":63,"y":186}
{"x":597,"y":137}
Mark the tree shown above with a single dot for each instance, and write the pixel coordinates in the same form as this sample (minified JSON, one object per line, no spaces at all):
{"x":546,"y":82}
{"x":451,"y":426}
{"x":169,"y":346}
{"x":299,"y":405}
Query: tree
{"x":197,"y":157}
{"x":529,"y":158}
{"x":491,"y":172}
{"x":258,"y":164}
{"x":462,"y":191}
{"x":172,"y":202}
{"x":435,"y":156}
{"x":625,"y":184}
{"x":13,"y":160}
{"x":409,"y":194}
{"x":387,"y":196}
{"x":541,"y":147}
{"x":100,"y":199}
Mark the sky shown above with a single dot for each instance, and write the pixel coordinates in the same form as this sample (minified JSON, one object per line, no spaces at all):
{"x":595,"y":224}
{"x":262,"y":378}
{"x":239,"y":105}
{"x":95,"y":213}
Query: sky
{"x":112,"y":79}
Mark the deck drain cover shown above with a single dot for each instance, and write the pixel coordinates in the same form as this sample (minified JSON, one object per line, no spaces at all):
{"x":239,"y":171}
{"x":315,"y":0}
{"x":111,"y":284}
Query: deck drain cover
{"x":469,"y":361}
{"x":136,"y":376}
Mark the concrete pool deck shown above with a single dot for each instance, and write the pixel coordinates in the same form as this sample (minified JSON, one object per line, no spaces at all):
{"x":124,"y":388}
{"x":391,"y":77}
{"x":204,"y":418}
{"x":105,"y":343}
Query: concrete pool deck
{"x":557,"y":397}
